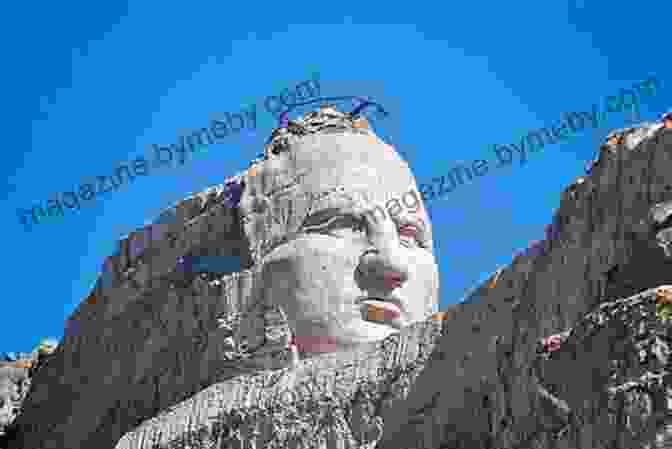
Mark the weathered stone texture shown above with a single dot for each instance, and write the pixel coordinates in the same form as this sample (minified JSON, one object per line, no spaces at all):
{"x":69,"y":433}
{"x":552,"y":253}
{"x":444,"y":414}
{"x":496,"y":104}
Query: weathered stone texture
{"x":608,"y":386}
{"x":14,"y":382}
{"x":333,"y":398}
{"x":474,"y":380}
{"x":142,"y":348}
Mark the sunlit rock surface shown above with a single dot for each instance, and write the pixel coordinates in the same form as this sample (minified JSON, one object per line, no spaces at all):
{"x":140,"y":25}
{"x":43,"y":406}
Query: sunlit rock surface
{"x":154,"y":361}
{"x":16,"y":374}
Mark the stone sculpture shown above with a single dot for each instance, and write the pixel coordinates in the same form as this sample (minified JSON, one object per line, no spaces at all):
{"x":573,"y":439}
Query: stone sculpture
{"x":342,"y":275}
{"x":467,"y":377}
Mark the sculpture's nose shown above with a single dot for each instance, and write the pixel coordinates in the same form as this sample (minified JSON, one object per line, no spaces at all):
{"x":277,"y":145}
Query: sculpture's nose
{"x":382,"y":270}
{"x":383,"y":266}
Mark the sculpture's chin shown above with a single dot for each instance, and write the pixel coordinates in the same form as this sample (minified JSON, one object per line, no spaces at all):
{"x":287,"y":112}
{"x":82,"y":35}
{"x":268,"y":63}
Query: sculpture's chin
{"x":353,"y":333}
{"x":370,"y":320}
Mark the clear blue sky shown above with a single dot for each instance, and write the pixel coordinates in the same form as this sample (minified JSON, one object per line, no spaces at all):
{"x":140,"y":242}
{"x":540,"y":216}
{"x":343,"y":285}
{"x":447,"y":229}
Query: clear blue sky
{"x":89,"y":85}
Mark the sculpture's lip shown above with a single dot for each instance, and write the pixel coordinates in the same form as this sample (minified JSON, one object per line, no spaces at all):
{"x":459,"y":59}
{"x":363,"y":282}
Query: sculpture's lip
{"x":396,"y":303}
{"x":390,"y":299}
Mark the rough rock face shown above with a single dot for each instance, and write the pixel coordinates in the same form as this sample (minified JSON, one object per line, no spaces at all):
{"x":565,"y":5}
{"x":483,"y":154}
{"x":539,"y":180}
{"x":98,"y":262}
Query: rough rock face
{"x":612,"y":374}
{"x":13,"y":386}
{"x":149,"y":338}
{"x":606,"y":386}
{"x":339,"y":397}
{"x":15,"y":380}
{"x":154,"y":361}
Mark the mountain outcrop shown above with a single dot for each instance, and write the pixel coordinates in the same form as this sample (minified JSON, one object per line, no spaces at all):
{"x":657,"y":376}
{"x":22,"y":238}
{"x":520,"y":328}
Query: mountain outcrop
{"x":607,"y":385}
{"x":567,"y":347}
{"x":16,"y":374}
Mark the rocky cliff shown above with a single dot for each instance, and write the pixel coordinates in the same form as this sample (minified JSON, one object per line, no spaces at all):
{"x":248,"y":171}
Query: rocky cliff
{"x":155,"y":360}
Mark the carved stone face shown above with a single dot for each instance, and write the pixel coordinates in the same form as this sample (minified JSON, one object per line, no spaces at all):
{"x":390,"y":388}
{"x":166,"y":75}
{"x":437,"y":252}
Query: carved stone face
{"x":343,"y":251}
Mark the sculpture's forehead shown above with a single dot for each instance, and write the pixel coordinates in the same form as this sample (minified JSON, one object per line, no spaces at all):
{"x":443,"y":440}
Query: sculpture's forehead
{"x":357,"y":162}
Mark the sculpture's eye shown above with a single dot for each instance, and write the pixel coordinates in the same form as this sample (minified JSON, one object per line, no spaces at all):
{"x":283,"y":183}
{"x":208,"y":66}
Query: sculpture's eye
{"x":328,"y":224}
{"x":413,"y":232}
{"x":408,"y":234}
{"x":408,"y":231}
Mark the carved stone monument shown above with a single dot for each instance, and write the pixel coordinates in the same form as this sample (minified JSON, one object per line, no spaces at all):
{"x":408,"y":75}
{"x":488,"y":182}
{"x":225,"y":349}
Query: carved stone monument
{"x":340,"y":234}
{"x":568,"y":346}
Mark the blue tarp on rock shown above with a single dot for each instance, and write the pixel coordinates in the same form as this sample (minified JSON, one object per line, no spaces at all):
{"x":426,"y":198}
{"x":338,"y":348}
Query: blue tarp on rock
{"x":208,"y":264}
